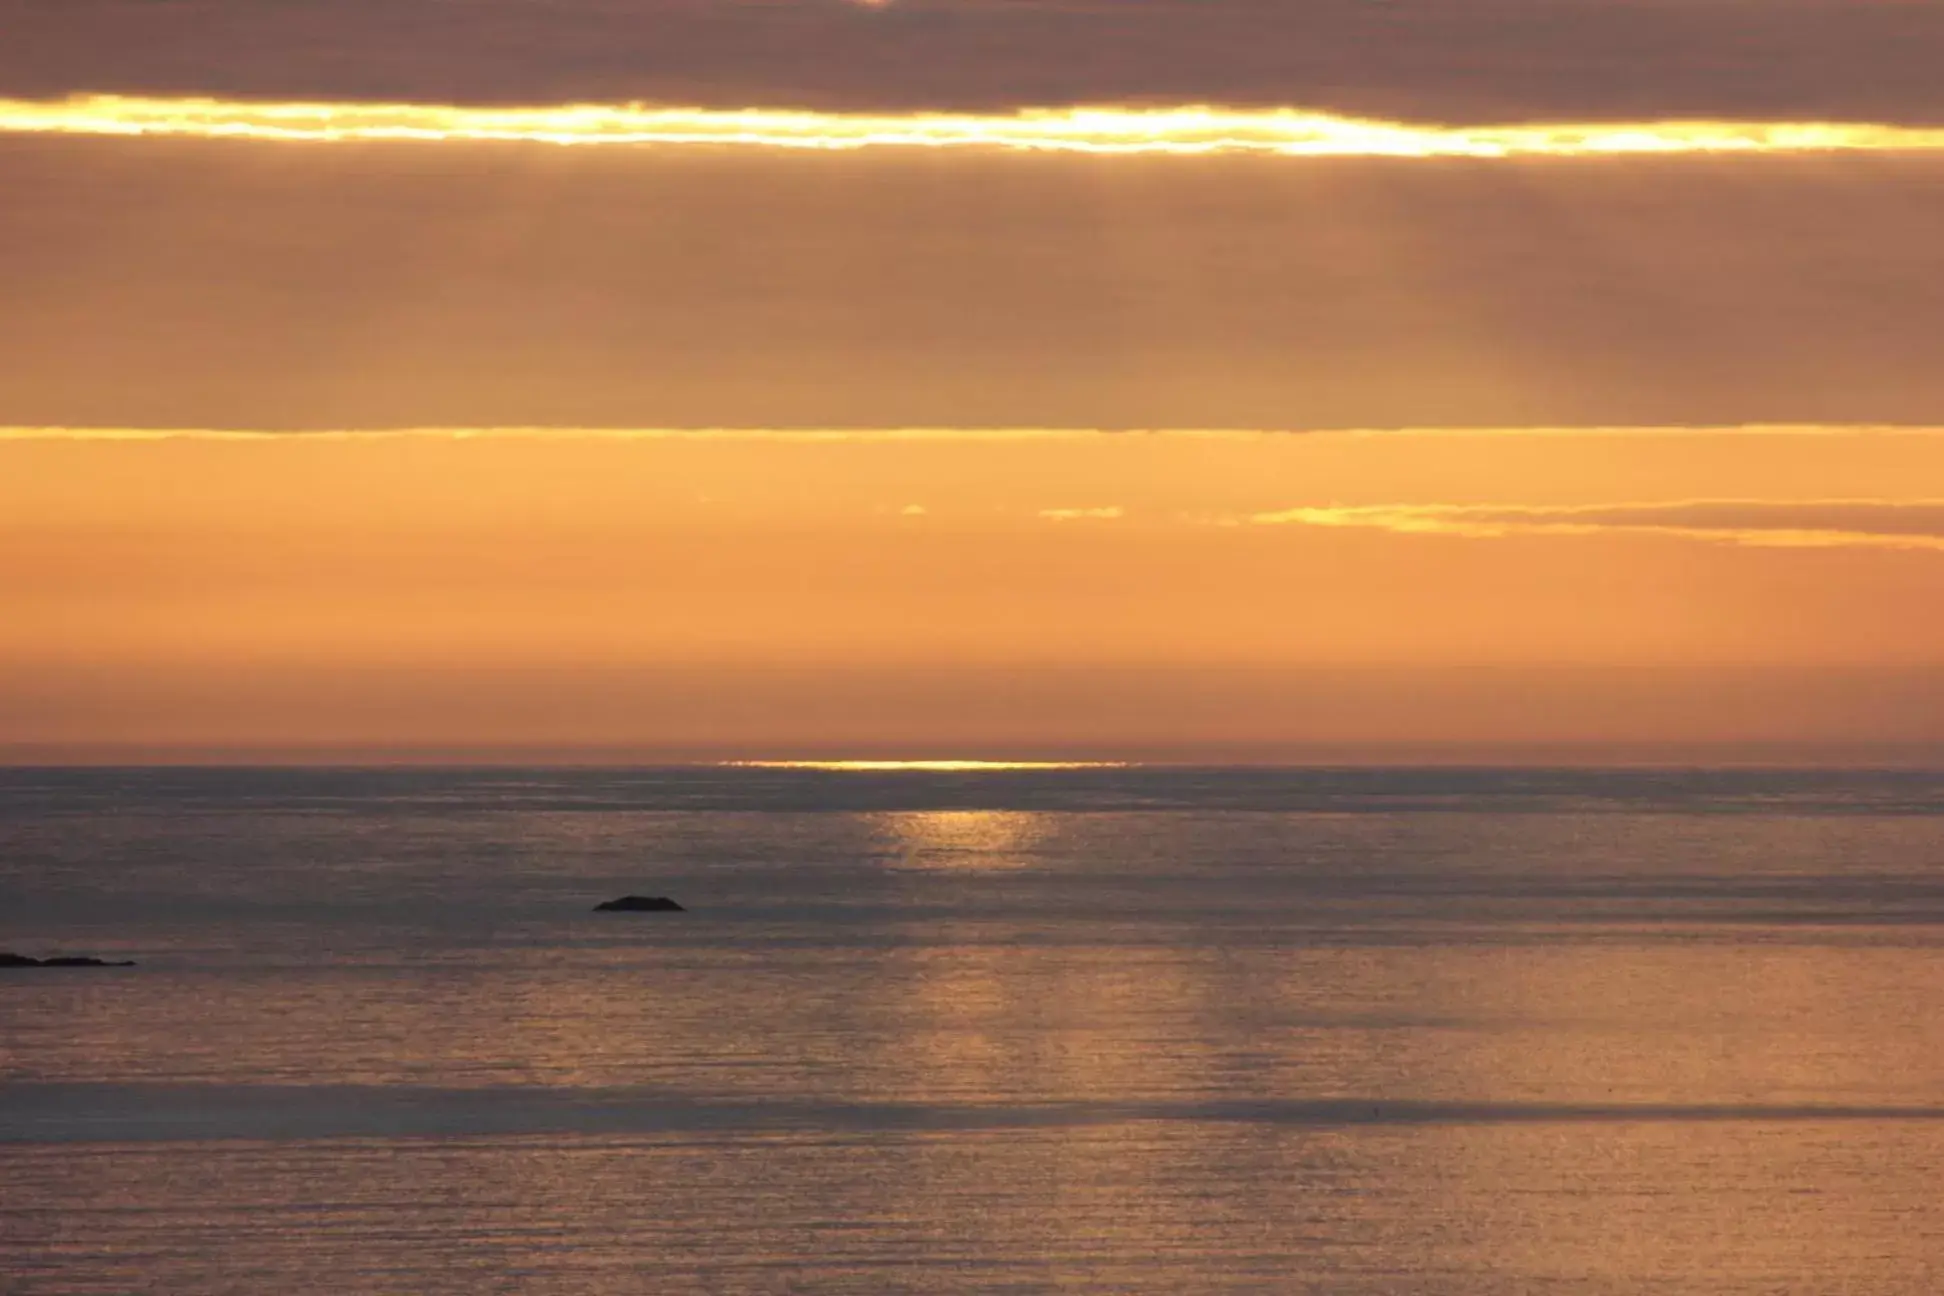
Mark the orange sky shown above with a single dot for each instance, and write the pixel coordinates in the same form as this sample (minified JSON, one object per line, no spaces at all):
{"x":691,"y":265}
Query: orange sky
{"x":304,"y":580}
{"x":1080,"y":593}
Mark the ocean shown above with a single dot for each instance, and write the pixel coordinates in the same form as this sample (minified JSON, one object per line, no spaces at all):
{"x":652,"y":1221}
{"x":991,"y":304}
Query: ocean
{"x":1091,"y":1029}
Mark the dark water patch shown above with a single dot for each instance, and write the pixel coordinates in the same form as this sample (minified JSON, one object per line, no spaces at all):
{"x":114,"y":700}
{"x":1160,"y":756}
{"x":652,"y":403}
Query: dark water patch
{"x":137,"y":1113}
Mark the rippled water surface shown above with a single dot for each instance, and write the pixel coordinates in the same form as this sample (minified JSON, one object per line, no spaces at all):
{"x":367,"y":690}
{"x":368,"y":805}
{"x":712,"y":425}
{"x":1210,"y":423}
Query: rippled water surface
{"x":1115,"y":1030}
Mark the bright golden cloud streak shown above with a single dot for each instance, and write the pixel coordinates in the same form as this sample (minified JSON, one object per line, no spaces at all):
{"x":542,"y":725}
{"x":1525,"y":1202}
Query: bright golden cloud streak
{"x":1186,"y":131}
{"x":1794,"y":527}
{"x":1109,"y":513}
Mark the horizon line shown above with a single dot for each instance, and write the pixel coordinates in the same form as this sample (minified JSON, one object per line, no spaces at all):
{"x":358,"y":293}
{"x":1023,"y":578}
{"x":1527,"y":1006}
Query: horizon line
{"x":1917,"y":757}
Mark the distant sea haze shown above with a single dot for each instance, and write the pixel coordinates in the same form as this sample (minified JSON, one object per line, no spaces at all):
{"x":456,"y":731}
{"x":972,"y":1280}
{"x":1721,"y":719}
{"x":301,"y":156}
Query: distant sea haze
{"x":1502,"y":595}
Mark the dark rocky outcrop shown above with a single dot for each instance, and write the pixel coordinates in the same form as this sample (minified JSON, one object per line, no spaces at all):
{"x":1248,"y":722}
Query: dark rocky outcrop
{"x":8,"y":960}
{"x":639,"y":904}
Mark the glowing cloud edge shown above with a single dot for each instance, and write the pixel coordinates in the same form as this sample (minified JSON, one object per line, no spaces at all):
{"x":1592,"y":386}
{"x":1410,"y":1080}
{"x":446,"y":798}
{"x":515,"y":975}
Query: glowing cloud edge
{"x":1657,"y":518}
{"x":1177,"y":131}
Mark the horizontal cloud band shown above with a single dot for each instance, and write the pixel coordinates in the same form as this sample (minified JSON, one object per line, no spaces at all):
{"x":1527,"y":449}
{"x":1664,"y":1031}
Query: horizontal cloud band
{"x":1791,"y":524}
{"x":1180,"y":131}
{"x":969,"y":434}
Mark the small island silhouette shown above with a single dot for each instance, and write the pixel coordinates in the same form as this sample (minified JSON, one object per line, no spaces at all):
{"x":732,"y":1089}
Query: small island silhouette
{"x":8,"y":959}
{"x":639,"y":904}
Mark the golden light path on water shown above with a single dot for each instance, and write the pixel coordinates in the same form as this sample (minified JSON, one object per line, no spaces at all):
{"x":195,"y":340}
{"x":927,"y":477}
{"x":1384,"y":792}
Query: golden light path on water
{"x":929,"y":766}
{"x":1193,"y":130}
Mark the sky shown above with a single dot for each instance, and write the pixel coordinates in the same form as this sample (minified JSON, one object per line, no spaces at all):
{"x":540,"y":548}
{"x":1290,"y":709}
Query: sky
{"x":363,"y":397}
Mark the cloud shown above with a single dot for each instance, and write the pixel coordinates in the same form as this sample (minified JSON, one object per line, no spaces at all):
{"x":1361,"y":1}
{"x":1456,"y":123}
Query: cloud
{"x":976,"y":434}
{"x":1803,"y":524}
{"x":1483,"y":60}
{"x":1109,"y":514}
{"x":1180,"y":131}
{"x":791,"y":435}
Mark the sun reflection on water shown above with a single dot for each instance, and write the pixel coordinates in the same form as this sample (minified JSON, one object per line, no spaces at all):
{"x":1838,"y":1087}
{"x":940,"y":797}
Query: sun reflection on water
{"x":962,"y":840}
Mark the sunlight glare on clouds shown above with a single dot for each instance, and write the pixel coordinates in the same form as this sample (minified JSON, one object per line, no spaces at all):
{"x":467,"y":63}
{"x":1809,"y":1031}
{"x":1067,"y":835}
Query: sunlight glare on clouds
{"x":1182,"y":131}
{"x":1916,"y":524}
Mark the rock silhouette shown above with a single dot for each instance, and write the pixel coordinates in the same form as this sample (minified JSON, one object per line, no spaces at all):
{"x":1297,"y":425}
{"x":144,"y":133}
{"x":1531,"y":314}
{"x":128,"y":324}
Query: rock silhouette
{"x":11,"y":960}
{"x":639,"y":904}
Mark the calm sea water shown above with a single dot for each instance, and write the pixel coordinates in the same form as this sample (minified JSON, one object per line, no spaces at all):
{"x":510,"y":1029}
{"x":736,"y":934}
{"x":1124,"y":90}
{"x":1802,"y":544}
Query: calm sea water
{"x":1099,"y":1030}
